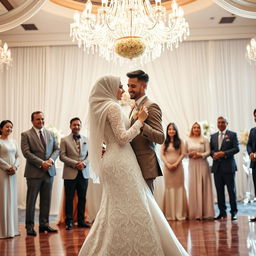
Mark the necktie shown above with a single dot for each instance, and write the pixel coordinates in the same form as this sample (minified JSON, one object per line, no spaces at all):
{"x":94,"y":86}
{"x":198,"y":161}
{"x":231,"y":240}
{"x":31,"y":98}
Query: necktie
{"x":42,"y":139}
{"x":221,"y":137}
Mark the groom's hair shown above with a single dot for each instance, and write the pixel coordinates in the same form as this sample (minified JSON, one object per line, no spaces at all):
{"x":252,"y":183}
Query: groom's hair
{"x":139,"y":74}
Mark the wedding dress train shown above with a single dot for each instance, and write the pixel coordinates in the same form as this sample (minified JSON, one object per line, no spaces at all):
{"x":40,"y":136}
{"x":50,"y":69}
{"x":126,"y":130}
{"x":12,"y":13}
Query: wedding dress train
{"x":129,"y":221}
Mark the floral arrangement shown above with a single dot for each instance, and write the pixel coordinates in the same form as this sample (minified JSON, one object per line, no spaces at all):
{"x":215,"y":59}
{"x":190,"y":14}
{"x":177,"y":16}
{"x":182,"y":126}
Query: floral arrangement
{"x":129,"y":47}
{"x":243,"y":137}
{"x":57,"y":133}
{"x":208,"y":129}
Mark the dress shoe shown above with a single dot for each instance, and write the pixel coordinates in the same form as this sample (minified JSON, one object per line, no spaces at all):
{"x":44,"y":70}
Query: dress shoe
{"x":31,"y":232}
{"x":69,"y":226}
{"x":48,"y":229}
{"x":221,"y":217}
{"x":233,"y":216}
{"x":253,"y":220}
{"x":83,"y":225}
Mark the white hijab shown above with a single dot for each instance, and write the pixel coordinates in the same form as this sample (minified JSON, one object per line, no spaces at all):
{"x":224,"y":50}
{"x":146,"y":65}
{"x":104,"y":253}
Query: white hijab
{"x":102,"y":95}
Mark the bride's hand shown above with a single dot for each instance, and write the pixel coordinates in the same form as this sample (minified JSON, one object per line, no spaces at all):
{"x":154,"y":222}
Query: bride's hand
{"x":143,"y":114}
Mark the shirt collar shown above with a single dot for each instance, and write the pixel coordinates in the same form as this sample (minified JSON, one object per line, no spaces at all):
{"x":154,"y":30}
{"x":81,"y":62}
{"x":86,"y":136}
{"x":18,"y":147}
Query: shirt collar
{"x":37,"y":130}
{"x":223,"y":132}
{"x":140,"y":100}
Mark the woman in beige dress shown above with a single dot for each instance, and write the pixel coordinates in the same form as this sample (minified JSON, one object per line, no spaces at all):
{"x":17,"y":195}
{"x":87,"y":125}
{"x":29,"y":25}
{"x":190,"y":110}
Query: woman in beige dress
{"x":172,"y":153}
{"x":200,"y":185}
{"x":9,"y":162}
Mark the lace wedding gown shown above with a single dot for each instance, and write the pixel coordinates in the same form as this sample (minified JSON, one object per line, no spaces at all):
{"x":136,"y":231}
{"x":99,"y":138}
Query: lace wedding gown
{"x":129,"y":222}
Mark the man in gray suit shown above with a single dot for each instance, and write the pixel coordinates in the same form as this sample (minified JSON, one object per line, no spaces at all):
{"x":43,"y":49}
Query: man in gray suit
{"x":74,"y":154}
{"x":152,"y":130}
{"x":40,"y":149}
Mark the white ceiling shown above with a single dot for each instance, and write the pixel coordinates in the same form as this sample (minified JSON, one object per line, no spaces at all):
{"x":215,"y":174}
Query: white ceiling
{"x":53,"y":23}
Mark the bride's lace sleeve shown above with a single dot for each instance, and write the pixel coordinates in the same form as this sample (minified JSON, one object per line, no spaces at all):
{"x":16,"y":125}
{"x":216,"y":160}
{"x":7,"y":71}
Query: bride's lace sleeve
{"x":122,"y":135}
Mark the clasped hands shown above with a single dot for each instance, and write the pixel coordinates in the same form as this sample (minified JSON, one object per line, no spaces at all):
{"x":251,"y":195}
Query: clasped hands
{"x":194,"y":155}
{"x":252,"y":157}
{"x":171,"y":167}
{"x":12,"y":170}
{"x":218,"y":155}
{"x":46,"y":165}
{"x":80,"y":166}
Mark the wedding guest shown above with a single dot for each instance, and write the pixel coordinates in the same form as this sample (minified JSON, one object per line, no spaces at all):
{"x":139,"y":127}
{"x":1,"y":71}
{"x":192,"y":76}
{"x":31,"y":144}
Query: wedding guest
{"x":224,"y":145}
{"x":251,"y":149}
{"x":74,"y":154}
{"x":40,"y":148}
{"x":200,"y":185}
{"x":9,"y":162}
{"x":172,"y":153}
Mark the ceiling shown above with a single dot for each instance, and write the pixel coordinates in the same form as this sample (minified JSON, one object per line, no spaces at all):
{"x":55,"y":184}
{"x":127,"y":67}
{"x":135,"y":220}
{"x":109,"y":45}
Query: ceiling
{"x":53,"y":23}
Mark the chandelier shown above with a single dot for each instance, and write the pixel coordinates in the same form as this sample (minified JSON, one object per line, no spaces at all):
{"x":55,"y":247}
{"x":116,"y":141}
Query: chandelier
{"x":5,"y":55}
{"x":251,"y":50}
{"x":129,"y":29}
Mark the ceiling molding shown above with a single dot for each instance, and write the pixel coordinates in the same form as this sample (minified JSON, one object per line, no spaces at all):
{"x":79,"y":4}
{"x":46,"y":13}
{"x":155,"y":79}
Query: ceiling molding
{"x":243,"y":8}
{"x":20,"y":14}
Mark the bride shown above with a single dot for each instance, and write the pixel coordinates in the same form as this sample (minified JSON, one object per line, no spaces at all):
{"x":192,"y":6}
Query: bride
{"x":129,"y":221}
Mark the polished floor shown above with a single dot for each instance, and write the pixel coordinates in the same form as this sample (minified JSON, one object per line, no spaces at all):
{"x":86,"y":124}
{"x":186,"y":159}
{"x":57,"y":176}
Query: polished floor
{"x":220,"y":238}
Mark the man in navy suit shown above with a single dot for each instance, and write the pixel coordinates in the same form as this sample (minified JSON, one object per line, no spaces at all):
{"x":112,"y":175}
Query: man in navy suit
{"x":251,"y":149}
{"x":224,"y":145}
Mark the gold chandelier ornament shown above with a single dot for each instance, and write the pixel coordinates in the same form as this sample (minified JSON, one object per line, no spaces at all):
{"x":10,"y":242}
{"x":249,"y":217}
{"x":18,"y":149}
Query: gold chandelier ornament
{"x":129,"y":47}
{"x":132,"y":30}
{"x":5,"y":55}
{"x":251,"y":51}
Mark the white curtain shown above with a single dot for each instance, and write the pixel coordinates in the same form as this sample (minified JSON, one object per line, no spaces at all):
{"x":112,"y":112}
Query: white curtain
{"x":200,"y":80}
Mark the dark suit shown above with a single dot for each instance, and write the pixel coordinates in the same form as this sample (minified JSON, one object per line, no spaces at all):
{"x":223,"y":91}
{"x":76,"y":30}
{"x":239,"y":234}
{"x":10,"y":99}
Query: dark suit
{"x":224,"y":169}
{"x":38,"y":180}
{"x":251,"y":148}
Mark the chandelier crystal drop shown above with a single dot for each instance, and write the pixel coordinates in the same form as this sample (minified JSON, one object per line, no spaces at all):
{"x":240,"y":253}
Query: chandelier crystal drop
{"x":129,"y":30}
{"x":5,"y":55}
{"x":251,"y":50}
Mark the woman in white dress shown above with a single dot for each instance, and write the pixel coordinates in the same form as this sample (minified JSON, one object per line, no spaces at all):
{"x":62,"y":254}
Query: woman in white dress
{"x":129,"y":221}
{"x":9,"y":162}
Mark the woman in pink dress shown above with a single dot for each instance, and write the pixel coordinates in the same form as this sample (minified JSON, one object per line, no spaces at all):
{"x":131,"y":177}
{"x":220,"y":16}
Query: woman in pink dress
{"x":200,"y":185}
{"x":172,"y":153}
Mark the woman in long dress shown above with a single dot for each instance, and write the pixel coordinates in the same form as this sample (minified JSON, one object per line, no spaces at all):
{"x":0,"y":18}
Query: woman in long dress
{"x":200,"y":184}
{"x":129,"y":221}
{"x":9,"y":162}
{"x":172,"y":153}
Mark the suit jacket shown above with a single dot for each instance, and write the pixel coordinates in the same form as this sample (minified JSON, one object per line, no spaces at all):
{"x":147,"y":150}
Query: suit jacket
{"x":251,"y":145}
{"x":70,"y":155}
{"x":230,"y":147}
{"x":35,"y":153}
{"x":144,"y":144}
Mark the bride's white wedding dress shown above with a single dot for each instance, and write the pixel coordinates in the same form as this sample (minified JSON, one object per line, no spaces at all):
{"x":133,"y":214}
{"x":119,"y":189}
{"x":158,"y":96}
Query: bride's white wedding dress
{"x":129,"y":221}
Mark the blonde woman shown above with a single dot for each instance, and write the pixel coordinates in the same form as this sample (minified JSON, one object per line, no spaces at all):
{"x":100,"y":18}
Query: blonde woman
{"x":200,"y":185}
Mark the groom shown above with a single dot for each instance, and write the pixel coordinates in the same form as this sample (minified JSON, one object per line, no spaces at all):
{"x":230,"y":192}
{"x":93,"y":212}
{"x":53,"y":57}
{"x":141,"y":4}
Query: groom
{"x":152,"y":130}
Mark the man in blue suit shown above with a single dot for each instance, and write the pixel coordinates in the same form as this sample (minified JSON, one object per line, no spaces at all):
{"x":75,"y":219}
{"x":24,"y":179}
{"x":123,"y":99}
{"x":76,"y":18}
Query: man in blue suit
{"x":224,"y":145}
{"x":251,"y":149}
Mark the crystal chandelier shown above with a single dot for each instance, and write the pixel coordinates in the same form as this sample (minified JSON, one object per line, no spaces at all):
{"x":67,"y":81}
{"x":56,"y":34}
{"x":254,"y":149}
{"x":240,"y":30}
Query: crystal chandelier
{"x":251,"y":50}
{"x":129,"y":29}
{"x":5,"y":55}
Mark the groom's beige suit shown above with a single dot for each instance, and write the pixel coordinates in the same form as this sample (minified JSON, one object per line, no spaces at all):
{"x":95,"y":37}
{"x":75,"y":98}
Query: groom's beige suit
{"x":144,"y":144}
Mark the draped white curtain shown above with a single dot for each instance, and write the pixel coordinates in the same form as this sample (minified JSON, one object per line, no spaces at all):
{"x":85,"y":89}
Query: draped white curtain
{"x":200,"y":80}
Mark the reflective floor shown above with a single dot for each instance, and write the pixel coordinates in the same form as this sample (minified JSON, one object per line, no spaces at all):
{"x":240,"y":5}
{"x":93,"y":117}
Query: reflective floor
{"x":222,"y":238}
